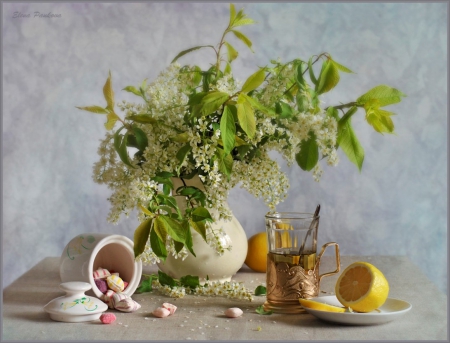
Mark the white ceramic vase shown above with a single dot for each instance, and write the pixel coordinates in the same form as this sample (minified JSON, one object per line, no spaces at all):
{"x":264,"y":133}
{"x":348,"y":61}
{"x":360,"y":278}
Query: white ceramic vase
{"x":207,"y":263}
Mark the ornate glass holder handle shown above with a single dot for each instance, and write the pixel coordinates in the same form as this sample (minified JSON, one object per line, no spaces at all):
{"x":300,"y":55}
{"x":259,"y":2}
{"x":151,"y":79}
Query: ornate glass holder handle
{"x":338,"y":259}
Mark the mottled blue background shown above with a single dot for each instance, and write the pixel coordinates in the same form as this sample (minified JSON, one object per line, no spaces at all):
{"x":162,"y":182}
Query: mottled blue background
{"x":397,"y":205}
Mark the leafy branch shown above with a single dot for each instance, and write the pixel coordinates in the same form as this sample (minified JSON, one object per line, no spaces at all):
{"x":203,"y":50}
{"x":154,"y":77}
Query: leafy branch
{"x":233,"y":119}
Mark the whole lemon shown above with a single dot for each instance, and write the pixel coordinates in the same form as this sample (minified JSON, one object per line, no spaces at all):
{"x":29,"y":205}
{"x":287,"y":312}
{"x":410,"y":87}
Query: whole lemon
{"x":257,"y":252}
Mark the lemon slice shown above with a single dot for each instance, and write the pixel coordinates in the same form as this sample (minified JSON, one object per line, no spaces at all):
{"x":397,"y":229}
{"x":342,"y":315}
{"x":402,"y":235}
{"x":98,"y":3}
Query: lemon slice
{"x":362,"y":287}
{"x":316,"y":305}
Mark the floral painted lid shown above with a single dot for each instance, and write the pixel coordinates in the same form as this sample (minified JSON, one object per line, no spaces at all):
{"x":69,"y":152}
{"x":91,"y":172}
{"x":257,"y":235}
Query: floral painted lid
{"x":75,"y":306}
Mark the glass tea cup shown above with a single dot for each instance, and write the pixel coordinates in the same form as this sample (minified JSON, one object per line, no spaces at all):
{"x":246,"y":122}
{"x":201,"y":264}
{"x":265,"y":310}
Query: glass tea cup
{"x":292,"y":260}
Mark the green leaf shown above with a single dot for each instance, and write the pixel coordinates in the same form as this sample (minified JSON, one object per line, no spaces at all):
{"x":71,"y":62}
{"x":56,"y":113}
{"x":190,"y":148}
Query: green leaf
{"x":200,"y":227}
{"x":385,"y":95}
{"x":159,"y":227}
{"x":227,"y":69}
{"x":380,"y":120}
{"x":182,"y":154}
{"x":299,"y":76}
{"x":260,"y":290}
{"x":225,"y":162}
{"x":349,"y":143}
{"x":195,"y":99}
{"x":200,"y":214}
{"x":187,"y":190}
{"x":181,"y":138}
{"x":257,"y":105}
{"x":308,"y":156}
{"x":158,"y":246}
{"x":109,"y":93}
{"x":178,"y":246}
{"x":197,"y":75}
{"x":240,"y":141}
{"x":164,"y":174}
{"x":232,"y":14}
{"x":174,"y":228}
{"x":141,"y":236}
{"x":242,"y":151}
{"x":111,"y":120}
{"x":141,"y":138}
{"x":254,"y":81}
{"x":346,"y":117}
{"x":311,"y":72}
{"x":167,"y":200}
{"x":145,"y":210}
{"x":328,"y":78}
{"x":283,"y":110}
{"x":332,"y":112}
{"x":166,"y":189}
{"x":134,"y":90}
{"x":94,"y":109}
{"x":147,"y":284}
{"x":260,"y":310}
{"x":163,"y":180}
{"x":342,"y":68}
{"x":188,"y":240}
{"x":190,"y":281}
{"x":200,"y":197}
{"x":142,"y":118}
{"x":120,"y":144}
{"x":231,"y":52}
{"x":302,"y":103}
{"x":243,"y":38}
{"x":212,"y":101}
{"x":184,"y":52}
{"x":206,"y":79}
{"x":165,"y":279}
{"x":227,"y":130}
{"x":246,"y":118}
{"x":244,"y":21}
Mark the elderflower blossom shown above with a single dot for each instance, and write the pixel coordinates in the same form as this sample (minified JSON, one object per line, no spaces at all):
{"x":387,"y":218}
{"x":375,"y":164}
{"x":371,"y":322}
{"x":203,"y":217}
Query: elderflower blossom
{"x":229,"y":289}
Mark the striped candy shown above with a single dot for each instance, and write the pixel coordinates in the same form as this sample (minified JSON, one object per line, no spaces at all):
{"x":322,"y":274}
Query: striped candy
{"x":127,"y":305}
{"x":101,"y":273}
{"x":170,"y":307}
{"x":107,"y":298}
{"x":115,"y":283}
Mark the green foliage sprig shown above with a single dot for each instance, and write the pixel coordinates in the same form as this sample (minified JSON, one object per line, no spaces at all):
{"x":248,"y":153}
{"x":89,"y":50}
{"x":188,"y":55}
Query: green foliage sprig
{"x":235,"y":118}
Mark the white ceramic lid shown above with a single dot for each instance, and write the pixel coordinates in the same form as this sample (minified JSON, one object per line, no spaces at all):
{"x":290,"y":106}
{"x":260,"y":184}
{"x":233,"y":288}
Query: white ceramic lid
{"x":75,"y":306}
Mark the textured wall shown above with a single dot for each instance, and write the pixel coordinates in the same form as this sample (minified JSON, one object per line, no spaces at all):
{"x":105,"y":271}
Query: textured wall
{"x":396,"y":206}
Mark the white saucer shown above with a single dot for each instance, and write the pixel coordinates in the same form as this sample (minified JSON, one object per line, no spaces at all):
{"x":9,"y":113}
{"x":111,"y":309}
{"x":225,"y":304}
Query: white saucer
{"x":390,"y":310}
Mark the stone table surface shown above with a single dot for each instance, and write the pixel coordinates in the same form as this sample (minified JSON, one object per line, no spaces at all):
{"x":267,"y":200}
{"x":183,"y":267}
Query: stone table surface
{"x":202,"y":318}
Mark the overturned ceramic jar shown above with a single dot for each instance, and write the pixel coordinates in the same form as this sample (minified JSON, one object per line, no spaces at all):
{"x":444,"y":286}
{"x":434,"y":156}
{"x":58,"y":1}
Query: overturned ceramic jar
{"x":88,"y":252}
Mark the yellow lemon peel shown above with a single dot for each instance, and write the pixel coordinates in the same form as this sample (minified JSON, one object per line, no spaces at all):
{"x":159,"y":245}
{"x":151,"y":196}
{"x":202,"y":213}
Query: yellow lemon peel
{"x":319,"y":306}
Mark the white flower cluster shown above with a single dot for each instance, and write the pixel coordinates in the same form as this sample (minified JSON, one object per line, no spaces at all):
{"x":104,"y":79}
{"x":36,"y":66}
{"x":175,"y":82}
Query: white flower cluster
{"x":296,"y":129}
{"x":229,"y":289}
{"x":276,"y":85}
{"x":227,"y":84}
{"x":218,"y":239}
{"x":262,"y":178}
